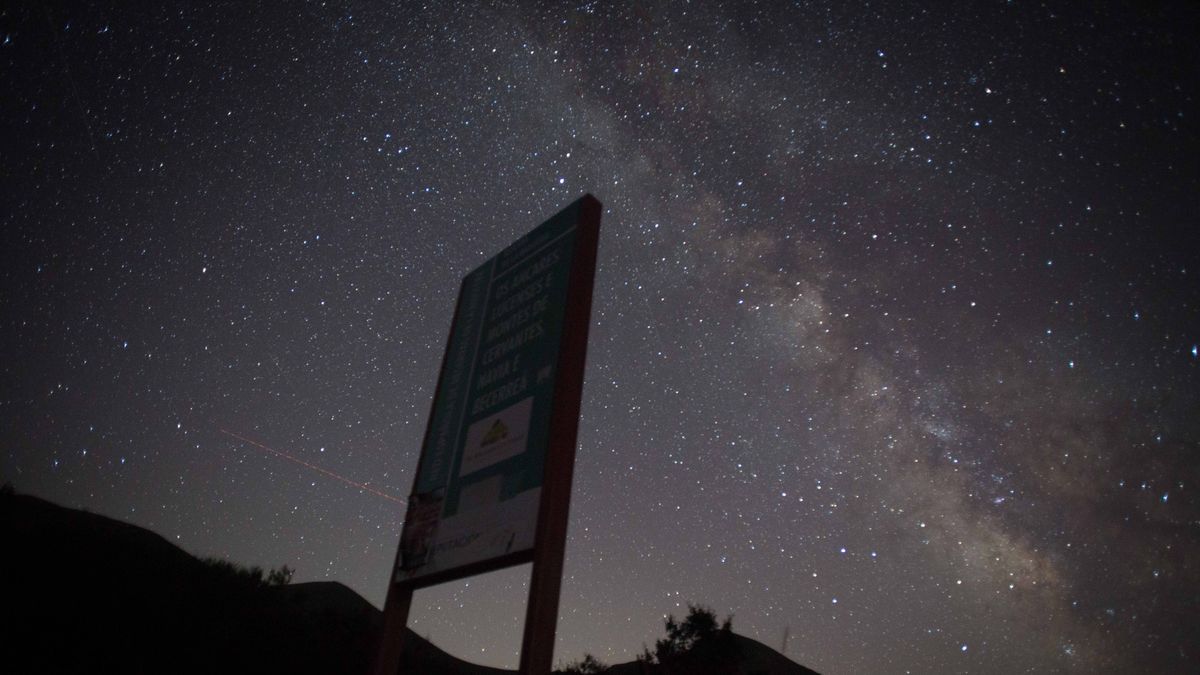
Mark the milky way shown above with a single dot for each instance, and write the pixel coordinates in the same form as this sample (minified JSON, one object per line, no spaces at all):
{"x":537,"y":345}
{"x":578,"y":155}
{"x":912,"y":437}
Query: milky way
{"x":895,"y":330}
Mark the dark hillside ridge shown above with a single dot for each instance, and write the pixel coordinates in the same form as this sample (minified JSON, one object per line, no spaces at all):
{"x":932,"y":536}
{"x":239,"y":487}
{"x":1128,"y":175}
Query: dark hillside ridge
{"x":746,"y":657}
{"x":83,"y":593}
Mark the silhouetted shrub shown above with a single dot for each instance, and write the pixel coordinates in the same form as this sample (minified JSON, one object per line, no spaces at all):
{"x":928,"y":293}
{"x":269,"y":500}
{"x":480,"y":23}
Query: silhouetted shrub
{"x":280,"y":577}
{"x":693,"y":642}
{"x":248,"y":577}
{"x":589,"y":665}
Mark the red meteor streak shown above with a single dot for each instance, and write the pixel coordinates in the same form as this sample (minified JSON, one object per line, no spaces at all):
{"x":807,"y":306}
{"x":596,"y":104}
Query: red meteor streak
{"x":327,"y":472}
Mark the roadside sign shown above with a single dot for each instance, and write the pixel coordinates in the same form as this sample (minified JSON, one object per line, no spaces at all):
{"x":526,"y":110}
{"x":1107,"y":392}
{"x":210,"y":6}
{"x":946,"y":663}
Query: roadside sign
{"x":479,"y":484}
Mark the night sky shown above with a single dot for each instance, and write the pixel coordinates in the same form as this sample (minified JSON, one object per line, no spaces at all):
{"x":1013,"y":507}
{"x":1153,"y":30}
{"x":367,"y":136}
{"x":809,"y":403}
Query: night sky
{"x":894,"y":338}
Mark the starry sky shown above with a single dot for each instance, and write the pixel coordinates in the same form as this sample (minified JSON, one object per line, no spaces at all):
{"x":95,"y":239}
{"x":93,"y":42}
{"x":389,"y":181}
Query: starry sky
{"x":894,"y":339}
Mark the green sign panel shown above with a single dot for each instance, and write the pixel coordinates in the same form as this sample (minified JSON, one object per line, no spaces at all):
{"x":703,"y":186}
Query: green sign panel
{"x":478,"y":486}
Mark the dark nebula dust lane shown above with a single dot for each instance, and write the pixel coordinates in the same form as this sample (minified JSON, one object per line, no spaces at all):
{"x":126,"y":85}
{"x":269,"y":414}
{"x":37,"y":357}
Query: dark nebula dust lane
{"x":895,"y":327}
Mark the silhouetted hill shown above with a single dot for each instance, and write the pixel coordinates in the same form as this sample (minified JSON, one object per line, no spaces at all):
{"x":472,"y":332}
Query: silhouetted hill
{"x":759,"y":658}
{"x":82,"y":593}
{"x":85,"y":593}
{"x":749,"y":657}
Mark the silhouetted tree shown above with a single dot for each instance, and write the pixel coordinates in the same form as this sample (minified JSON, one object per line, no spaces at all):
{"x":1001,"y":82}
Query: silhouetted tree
{"x":589,"y":665}
{"x":280,"y":577}
{"x":251,"y":577}
{"x":700,"y":624}
{"x":695,"y":642}
{"x":646,"y":656}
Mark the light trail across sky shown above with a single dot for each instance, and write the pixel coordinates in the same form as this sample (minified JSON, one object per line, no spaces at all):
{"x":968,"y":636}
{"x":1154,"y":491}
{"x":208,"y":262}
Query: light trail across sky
{"x":327,"y":472}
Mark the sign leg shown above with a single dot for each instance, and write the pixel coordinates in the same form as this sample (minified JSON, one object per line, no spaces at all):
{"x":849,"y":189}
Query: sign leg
{"x":391,"y":641}
{"x":541,"y":616}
